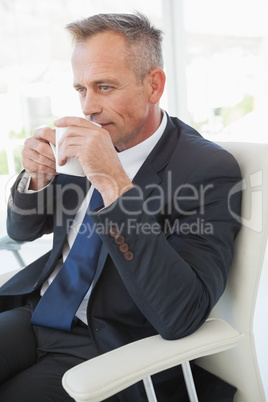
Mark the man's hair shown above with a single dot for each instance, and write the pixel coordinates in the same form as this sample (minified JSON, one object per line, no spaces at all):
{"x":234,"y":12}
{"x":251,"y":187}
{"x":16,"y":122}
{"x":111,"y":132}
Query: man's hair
{"x":143,"y":40}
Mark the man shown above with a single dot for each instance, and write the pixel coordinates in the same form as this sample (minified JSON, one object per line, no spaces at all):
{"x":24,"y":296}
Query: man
{"x":166,"y":221}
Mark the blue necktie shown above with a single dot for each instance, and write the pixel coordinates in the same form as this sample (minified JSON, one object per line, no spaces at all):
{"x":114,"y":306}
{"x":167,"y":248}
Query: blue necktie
{"x":57,"y":307}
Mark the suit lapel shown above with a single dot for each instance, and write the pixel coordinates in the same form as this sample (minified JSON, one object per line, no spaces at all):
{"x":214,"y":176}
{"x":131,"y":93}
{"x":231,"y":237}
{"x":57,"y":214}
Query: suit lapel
{"x":158,"y":159}
{"x":149,"y":175}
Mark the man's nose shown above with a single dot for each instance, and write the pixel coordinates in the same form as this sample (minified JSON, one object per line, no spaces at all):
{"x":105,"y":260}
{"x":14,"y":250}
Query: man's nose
{"x":91,"y":104}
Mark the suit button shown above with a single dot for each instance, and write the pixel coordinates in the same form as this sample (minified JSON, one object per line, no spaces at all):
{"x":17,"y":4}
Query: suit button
{"x":119,"y":239}
{"x":114,"y":232}
{"x":128,"y":255}
{"x":123,"y":247}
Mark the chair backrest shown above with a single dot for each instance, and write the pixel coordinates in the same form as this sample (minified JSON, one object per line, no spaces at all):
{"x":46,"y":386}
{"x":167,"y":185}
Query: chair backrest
{"x":239,"y":366}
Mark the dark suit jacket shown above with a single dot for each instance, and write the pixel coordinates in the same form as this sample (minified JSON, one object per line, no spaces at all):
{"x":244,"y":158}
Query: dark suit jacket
{"x":177,"y":231}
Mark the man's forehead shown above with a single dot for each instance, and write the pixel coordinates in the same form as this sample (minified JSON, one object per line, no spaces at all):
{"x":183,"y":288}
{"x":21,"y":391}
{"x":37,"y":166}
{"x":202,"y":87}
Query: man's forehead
{"x":98,"y":62}
{"x":99,"y":51}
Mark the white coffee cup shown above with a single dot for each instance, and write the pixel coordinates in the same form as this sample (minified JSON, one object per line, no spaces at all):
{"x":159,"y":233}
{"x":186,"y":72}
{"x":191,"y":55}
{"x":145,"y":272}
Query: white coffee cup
{"x":72,"y":166}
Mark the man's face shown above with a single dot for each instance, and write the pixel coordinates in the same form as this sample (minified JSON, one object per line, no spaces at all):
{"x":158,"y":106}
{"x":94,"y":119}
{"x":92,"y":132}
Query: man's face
{"x":110,"y":93}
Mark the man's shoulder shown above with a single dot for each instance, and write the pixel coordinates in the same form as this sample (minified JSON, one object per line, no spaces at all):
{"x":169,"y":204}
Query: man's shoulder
{"x":190,"y":136}
{"x":195,"y":151}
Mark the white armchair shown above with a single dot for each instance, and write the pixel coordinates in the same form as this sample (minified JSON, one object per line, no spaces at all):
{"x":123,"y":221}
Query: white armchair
{"x":225,"y":344}
{"x":230,"y":328}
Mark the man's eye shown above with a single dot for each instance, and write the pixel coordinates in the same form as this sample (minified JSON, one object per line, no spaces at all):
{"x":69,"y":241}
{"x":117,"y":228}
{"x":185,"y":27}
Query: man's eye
{"x":105,"y":87}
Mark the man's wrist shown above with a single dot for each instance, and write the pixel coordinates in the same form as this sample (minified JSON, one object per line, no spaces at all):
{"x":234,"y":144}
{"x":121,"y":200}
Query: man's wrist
{"x":27,"y":185}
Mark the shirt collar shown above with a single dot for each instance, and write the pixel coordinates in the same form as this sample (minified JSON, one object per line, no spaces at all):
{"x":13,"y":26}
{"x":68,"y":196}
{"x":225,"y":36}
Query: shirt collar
{"x":133,"y":158}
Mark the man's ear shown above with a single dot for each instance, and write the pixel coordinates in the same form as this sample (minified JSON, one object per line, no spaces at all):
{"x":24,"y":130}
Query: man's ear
{"x":156,"y":81}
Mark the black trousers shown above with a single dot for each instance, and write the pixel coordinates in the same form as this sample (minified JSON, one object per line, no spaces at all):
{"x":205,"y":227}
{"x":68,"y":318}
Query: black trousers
{"x":34,"y":359}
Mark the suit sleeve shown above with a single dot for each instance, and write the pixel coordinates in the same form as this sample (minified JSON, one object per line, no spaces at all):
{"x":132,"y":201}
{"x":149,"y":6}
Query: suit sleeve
{"x":175,"y":259}
{"x":29,"y":215}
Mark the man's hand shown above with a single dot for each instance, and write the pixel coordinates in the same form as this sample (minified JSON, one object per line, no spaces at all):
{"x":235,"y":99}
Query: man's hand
{"x":38,"y":158}
{"x":93,"y":146}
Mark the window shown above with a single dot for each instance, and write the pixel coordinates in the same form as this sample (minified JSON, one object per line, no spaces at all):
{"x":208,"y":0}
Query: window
{"x":226,"y":61}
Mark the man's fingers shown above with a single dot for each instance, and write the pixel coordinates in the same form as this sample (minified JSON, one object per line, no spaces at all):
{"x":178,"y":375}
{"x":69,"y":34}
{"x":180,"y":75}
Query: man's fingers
{"x":40,"y":148}
{"x":45,"y":134}
{"x":37,"y":155}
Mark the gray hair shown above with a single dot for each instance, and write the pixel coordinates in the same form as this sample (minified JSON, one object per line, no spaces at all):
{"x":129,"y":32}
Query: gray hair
{"x":143,"y":40}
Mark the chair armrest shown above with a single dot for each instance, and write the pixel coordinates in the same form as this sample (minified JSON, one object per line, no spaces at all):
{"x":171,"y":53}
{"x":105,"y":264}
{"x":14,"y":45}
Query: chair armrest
{"x":107,"y":374}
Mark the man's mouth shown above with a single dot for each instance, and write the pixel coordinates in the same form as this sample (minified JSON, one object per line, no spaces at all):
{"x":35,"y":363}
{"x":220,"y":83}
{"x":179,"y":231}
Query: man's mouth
{"x":103,"y":125}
